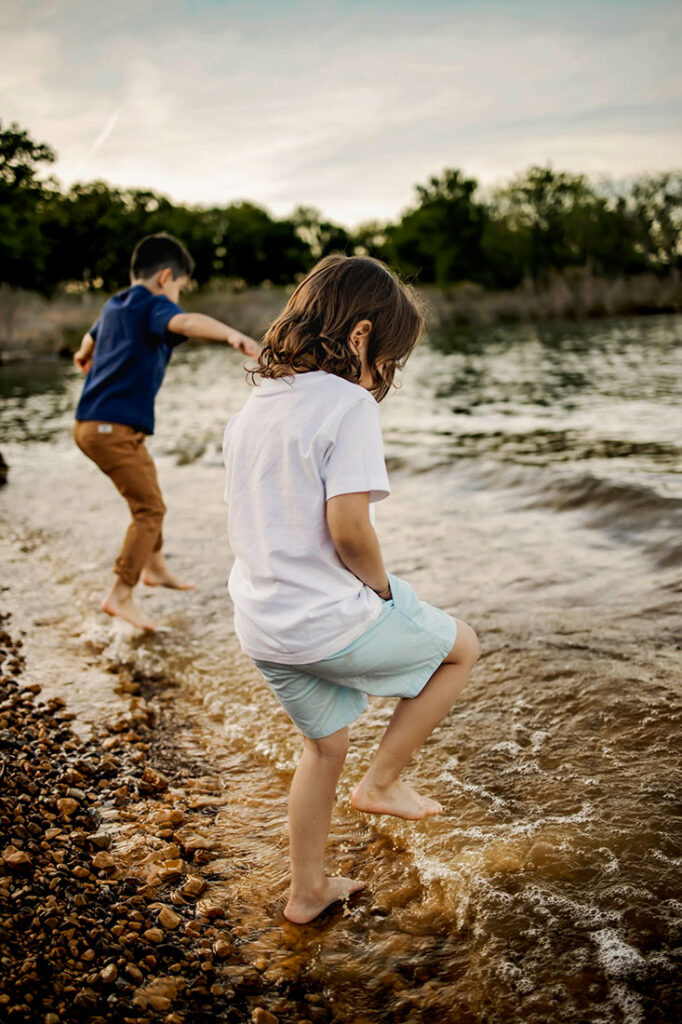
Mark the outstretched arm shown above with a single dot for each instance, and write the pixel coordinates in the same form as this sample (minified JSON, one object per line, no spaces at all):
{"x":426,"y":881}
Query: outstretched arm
{"x":82,"y":359}
{"x":207,"y":328}
{"x":355,"y":540}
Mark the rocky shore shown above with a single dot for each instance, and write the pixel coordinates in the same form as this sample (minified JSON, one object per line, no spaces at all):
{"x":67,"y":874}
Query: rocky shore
{"x":90,"y":933}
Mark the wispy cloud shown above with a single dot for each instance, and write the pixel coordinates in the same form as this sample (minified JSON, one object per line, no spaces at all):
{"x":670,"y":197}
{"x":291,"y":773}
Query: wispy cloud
{"x":108,"y":128}
{"x":344,"y":106}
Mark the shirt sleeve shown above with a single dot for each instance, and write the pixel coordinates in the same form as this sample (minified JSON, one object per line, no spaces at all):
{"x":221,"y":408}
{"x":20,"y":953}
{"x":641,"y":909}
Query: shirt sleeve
{"x":161,"y":310}
{"x":93,"y":330}
{"x":354,"y":461}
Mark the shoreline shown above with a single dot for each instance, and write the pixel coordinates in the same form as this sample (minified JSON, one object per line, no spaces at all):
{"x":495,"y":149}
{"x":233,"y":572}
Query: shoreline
{"x":33,"y":327}
{"x":94,"y":926}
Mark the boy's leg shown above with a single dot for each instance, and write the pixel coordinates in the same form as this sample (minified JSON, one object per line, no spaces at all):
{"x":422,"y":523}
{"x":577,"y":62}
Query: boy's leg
{"x":311,"y":799}
{"x":381,"y":791}
{"x":157,"y":574}
{"x":121,"y":453}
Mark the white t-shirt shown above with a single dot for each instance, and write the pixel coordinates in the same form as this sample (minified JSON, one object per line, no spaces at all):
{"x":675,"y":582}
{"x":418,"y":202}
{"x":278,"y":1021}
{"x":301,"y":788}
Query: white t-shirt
{"x":297,"y":442}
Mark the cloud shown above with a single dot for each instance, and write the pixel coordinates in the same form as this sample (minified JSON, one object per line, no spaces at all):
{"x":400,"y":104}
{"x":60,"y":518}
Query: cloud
{"x":341,"y":106}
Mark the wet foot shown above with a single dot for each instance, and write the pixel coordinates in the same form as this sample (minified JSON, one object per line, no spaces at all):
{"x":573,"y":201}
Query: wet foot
{"x":165,"y":578}
{"x":128,"y":610}
{"x":302,"y":909}
{"x":398,"y":799}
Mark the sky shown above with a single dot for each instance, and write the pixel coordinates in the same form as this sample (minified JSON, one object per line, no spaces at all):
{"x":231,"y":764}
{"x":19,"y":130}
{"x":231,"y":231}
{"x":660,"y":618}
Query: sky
{"x":344,"y":106}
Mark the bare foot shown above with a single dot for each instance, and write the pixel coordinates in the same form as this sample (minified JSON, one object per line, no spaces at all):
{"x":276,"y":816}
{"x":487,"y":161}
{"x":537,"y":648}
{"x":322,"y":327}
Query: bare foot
{"x":128,"y":610}
{"x":165,"y":578}
{"x":398,"y":799}
{"x":301,"y":909}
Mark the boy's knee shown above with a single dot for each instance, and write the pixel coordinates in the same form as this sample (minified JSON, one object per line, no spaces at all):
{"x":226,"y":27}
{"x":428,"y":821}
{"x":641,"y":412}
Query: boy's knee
{"x":152,"y":511}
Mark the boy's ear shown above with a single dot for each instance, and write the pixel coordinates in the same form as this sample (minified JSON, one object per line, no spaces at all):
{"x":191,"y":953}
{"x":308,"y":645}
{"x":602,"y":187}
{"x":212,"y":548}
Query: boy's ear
{"x":164,"y":276}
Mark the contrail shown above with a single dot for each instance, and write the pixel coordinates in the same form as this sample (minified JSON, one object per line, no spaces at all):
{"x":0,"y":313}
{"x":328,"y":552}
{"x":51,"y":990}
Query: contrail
{"x":101,"y":138}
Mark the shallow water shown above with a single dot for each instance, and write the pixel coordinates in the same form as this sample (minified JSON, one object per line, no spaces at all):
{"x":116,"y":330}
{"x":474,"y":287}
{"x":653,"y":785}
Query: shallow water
{"x":536,"y":494}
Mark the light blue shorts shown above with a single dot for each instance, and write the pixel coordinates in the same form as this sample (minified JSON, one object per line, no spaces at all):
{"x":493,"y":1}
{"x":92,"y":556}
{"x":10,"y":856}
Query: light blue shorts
{"x":395,"y":657}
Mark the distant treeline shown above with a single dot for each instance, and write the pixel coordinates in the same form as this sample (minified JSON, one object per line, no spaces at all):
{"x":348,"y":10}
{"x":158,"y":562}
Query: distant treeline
{"x":542,"y":223}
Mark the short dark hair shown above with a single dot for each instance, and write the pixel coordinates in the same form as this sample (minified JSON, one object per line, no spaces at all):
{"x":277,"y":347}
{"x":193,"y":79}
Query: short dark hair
{"x":156,"y":252}
{"x":312,"y":333}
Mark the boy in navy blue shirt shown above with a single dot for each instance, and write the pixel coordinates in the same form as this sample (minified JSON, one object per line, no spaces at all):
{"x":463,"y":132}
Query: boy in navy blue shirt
{"x":125,"y":355}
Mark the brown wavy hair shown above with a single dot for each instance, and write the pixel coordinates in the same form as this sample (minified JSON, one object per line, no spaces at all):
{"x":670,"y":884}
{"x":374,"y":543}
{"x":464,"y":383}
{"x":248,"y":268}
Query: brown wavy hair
{"x":313,"y":331}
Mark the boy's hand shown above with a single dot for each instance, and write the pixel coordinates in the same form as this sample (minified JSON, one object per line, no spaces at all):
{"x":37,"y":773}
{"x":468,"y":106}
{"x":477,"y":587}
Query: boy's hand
{"x":244,"y":343}
{"x":82,"y":361}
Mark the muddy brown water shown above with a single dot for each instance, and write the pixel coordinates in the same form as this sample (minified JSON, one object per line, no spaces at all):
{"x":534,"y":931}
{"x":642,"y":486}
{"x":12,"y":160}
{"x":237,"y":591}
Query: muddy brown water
{"x":536,"y":494}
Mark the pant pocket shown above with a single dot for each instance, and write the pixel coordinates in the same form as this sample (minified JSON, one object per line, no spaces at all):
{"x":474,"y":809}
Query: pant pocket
{"x":405,"y":597}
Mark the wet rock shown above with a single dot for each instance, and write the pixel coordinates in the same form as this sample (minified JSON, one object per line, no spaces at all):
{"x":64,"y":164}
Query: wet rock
{"x":101,"y":839}
{"x":169,"y":816}
{"x":210,"y":908}
{"x":67,"y":806}
{"x":152,"y":781}
{"x":103,"y":861}
{"x":169,"y":919}
{"x":153,"y":935}
{"x":192,"y":887}
{"x":192,"y":841}
{"x":85,"y":999}
{"x":262,"y":1016}
{"x":16,"y":860}
{"x":109,"y":974}
{"x":223,"y":949}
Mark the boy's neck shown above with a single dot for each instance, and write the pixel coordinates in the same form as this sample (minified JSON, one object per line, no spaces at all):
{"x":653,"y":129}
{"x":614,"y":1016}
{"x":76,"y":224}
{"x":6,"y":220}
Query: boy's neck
{"x":150,"y":283}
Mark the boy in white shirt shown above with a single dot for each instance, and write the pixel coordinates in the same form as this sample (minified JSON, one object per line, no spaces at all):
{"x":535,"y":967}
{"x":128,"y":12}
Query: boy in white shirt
{"x":314,"y":606}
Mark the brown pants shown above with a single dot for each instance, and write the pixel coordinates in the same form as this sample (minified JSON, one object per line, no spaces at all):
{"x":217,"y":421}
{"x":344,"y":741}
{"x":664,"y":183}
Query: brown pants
{"x":121,"y":453}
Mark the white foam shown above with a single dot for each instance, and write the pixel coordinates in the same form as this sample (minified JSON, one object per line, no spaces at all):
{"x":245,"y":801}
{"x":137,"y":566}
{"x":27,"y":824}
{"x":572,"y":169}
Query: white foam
{"x":618,"y":959}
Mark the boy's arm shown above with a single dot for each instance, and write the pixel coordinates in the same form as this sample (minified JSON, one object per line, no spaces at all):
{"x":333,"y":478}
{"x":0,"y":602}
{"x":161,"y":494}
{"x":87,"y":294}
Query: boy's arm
{"x":199,"y":325}
{"x":356,"y":542}
{"x":82,"y":359}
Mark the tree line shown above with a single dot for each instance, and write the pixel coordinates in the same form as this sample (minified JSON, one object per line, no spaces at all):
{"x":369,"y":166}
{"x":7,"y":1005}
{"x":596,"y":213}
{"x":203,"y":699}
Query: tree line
{"x":541,"y":223}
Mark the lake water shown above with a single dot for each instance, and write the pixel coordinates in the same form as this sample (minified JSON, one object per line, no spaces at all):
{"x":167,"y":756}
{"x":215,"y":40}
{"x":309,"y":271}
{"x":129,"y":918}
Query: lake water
{"x":537,"y":494}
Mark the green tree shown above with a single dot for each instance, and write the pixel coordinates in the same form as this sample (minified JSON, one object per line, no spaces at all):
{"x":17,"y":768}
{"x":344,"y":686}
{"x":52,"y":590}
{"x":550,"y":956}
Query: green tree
{"x":321,"y":236}
{"x":22,"y":197}
{"x":440,"y":240}
{"x":558,"y":220}
{"x":369,"y":239}
{"x":657,"y":208}
{"x":254,"y":247}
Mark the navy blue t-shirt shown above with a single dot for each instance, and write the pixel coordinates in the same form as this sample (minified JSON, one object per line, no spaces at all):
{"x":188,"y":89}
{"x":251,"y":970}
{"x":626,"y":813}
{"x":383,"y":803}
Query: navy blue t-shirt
{"x":132,"y":351}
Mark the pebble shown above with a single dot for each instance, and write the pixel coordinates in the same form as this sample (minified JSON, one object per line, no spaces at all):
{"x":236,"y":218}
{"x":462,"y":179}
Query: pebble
{"x":103,"y":860}
{"x":109,"y":974}
{"x":67,"y":806}
{"x":101,"y":839}
{"x":169,"y":919}
{"x":152,"y":781}
{"x":193,"y":886}
{"x":222,"y":949}
{"x":262,"y":1016}
{"x":16,"y":860}
{"x":190,"y":842}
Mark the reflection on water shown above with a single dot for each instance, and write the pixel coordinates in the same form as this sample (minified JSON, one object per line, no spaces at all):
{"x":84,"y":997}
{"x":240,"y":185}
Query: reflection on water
{"x":536,"y":480}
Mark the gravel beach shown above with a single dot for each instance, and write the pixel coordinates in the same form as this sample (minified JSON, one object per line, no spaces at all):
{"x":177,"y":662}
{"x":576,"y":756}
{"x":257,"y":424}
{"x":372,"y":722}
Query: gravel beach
{"x":87,"y":933}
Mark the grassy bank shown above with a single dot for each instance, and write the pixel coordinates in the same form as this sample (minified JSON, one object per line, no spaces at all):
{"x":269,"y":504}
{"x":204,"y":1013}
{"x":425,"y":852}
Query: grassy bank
{"x":31,"y":325}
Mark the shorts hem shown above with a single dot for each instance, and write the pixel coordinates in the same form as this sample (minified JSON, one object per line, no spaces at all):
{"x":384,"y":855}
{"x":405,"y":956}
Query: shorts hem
{"x":436,"y":662}
{"x":346,"y":721}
